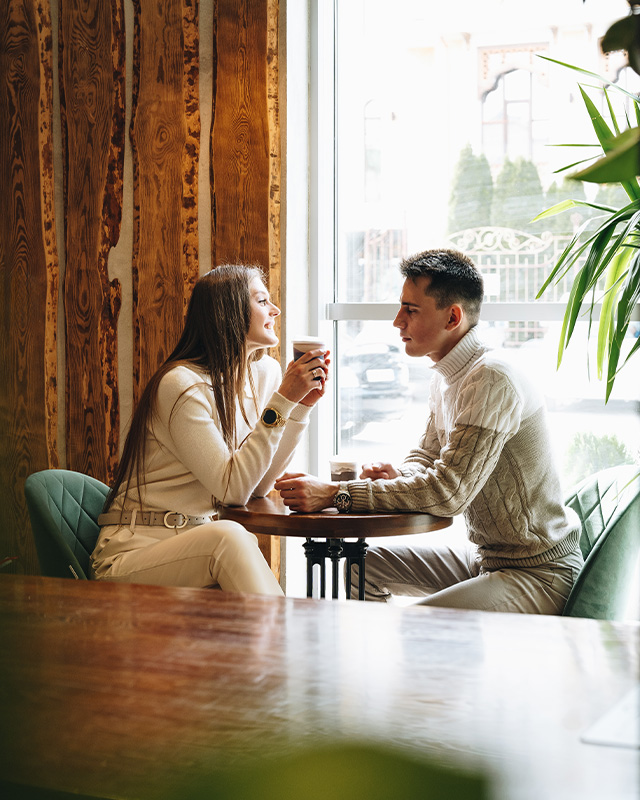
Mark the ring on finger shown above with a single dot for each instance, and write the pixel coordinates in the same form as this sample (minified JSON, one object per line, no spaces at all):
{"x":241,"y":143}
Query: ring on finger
{"x":316,"y":372}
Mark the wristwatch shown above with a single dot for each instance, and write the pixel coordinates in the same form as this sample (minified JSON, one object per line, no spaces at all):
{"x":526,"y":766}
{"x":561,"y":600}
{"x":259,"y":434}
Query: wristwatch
{"x":342,"y":501}
{"x":272,"y":418}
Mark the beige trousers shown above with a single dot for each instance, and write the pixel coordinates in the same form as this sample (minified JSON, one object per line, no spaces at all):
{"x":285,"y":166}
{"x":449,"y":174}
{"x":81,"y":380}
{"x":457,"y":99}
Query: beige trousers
{"x":449,"y":575}
{"x":219,"y":554}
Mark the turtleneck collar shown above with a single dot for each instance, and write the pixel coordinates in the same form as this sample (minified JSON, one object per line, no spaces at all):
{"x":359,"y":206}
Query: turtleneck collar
{"x":457,"y":359}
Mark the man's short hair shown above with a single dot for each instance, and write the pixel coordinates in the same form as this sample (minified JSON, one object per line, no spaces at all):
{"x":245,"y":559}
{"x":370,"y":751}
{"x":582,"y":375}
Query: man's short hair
{"x":454,"y":279}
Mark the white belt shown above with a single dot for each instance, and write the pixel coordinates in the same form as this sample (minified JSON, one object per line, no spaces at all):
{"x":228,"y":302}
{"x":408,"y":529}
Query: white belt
{"x":170,"y":519}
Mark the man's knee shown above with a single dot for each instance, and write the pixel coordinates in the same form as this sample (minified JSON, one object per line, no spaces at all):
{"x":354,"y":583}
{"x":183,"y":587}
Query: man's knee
{"x":352,"y":580}
{"x":371,"y":591}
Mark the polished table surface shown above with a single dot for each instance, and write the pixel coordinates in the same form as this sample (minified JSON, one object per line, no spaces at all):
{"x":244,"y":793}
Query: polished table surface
{"x":125,"y":691}
{"x":270,"y":515}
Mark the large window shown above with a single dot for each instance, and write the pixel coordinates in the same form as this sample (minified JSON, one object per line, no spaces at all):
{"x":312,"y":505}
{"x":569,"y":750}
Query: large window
{"x":434,"y":124}
{"x":418,"y":87}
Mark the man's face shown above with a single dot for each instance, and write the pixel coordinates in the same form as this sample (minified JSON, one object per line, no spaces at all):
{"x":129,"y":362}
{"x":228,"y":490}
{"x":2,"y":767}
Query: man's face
{"x":424,"y":329}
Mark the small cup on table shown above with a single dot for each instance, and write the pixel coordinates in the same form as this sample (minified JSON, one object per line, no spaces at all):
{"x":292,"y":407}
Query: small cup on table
{"x":343,"y":469}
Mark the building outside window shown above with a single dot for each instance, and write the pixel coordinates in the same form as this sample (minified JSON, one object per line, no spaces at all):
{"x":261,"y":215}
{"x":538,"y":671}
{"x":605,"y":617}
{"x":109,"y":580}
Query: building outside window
{"x":514,"y":119}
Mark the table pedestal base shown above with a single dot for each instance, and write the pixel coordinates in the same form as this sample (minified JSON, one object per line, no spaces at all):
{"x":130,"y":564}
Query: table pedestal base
{"x":317,"y":551}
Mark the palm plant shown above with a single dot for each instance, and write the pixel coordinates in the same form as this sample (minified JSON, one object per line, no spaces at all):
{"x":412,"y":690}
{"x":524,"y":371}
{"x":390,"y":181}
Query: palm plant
{"x":609,"y":277}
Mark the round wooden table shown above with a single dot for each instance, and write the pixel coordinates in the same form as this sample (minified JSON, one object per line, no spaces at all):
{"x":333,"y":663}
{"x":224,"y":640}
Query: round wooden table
{"x":269,"y":516}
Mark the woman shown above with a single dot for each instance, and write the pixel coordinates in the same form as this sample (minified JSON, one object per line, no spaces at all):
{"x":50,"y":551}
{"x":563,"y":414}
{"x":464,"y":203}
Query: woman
{"x":217,"y":424}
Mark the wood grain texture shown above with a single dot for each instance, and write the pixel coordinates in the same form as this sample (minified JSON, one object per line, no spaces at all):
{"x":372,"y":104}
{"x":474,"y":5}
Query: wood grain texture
{"x":91,"y":62}
{"x":132,"y":691}
{"x":164,"y":127}
{"x":191,"y":157}
{"x":245,"y":151}
{"x":240,"y":135}
{"x":24,"y":258}
{"x":273,"y":119}
{"x":49,"y":234}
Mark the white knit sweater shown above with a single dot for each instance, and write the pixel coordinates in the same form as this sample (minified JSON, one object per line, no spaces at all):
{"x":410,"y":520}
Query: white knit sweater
{"x":187,"y":461}
{"x":485,"y":454}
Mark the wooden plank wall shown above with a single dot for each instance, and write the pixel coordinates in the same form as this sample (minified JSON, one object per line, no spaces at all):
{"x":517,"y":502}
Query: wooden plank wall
{"x":28,"y":267}
{"x":245,"y":145}
{"x":91,"y":70}
{"x":165,"y":97}
{"x":165,"y":141}
{"x":245,"y":159}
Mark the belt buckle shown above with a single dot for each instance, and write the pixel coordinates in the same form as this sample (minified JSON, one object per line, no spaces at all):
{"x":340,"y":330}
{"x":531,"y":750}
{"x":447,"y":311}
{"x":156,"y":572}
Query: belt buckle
{"x":175,"y":527}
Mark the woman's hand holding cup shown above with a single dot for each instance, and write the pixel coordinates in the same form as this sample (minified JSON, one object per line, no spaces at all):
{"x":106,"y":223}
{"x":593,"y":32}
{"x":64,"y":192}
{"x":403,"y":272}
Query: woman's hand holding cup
{"x":305,"y":377}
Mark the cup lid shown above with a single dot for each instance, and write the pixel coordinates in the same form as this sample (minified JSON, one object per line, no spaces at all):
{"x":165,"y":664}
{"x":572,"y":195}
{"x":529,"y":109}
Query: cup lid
{"x":343,"y":461}
{"x":308,"y":340}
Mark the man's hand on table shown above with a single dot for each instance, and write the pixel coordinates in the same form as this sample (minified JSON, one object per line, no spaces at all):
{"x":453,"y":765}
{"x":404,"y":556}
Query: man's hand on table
{"x":379,"y":470}
{"x":305,"y":493}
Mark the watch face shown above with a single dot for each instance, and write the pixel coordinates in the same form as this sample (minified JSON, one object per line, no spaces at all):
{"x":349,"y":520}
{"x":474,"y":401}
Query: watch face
{"x":269,"y":416}
{"x":272,"y":418}
{"x":342,"y":501}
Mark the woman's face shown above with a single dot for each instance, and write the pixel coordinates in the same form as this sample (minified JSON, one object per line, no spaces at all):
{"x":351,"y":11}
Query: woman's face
{"x":263,"y":315}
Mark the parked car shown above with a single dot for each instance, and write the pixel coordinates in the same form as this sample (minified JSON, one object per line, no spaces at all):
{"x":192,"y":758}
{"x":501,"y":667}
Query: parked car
{"x":373,"y":385}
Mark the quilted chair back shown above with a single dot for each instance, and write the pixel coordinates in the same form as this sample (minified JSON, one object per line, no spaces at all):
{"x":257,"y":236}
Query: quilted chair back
{"x":608,"y":504}
{"x":63,"y":507}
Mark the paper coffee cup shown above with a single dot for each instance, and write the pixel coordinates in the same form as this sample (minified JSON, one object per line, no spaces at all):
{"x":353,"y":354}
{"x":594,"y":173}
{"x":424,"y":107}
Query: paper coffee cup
{"x":302,"y":345}
{"x":343,"y":469}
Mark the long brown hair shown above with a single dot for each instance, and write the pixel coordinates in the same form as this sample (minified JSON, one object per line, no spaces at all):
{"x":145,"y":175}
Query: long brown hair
{"x":214,"y":339}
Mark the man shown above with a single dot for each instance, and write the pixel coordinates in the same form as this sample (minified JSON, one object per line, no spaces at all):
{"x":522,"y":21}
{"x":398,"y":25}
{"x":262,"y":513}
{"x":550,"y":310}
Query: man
{"x":485,"y":454}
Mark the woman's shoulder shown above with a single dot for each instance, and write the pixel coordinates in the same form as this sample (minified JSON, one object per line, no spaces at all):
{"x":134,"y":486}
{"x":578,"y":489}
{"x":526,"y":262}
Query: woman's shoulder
{"x":267,"y":367}
{"x":267,"y":376}
{"x":179,"y":379}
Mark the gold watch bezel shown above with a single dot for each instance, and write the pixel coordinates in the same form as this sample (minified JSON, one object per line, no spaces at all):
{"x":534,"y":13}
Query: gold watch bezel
{"x":278,"y":422}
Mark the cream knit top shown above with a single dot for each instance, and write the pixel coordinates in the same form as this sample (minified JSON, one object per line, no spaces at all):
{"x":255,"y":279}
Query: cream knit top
{"x":187,"y":462}
{"x":485,"y":454}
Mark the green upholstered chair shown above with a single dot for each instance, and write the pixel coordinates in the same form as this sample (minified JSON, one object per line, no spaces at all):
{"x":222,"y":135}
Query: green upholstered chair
{"x":63,"y":507}
{"x":608,"y":504}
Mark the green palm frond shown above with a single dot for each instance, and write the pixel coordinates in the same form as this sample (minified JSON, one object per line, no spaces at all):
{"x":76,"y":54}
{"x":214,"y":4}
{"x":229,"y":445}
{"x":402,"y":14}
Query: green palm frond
{"x":602,"y":80}
{"x":606,"y":259}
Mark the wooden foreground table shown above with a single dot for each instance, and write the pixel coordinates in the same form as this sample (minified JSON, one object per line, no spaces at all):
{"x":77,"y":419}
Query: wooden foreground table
{"x":268,"y":516}
{"x":128,"y":691}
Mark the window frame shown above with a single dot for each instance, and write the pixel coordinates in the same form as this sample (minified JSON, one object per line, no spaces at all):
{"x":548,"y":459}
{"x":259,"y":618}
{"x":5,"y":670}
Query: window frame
{"x":325,"y":310}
